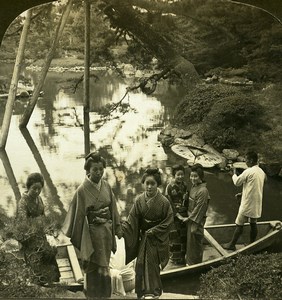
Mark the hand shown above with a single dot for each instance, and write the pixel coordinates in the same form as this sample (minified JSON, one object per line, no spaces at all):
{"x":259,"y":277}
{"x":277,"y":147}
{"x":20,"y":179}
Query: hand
{"x":119,"y":234}
{"x":179,"y":217}
{"x":185,"y":220}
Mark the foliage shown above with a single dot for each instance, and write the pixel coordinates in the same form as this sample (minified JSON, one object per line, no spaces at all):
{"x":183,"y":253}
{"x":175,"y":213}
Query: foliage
{"x":248,"y":277}
{"x":198,"y":102}
{"x":17,"y":277}
{"x":38,"y":256}
{"x":227,"y":118}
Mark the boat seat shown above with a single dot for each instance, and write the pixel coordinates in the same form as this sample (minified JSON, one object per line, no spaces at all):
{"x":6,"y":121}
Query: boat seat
{"x":214,"y":243}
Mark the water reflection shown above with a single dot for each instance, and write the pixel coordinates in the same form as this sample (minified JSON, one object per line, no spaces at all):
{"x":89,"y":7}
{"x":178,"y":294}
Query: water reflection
{"x":55,"y":205}
{"x":54,"y":145}
{"x":10,"y":174}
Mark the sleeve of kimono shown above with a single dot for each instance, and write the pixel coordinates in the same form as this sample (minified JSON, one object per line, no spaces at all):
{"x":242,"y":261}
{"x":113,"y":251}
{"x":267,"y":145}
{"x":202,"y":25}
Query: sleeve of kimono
{"x":42,"y":206}
{"x":200,"y":209}
{"x":161,"y":230}
{"x":76,"y":227}
{"x":130,"y":229}
{"x":21,"y":211}
{"x":116,"y":221}
{"x":168,"y":195}
{"x":69,"y":223}
{"x":239,"y":180}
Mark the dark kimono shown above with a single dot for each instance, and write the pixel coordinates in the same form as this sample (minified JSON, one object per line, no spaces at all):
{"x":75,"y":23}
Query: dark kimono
{"x":146,"y":234}
{"x":198,"y":205}
{"x":91,"y":223}
{"x":178,"y":197}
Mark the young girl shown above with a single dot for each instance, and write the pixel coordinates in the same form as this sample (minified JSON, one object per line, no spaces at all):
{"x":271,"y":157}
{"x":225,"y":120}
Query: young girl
{"x":198,"y":204}
{"x":31,"y":204}
{"x":176,"y":192}
{"x":146,"y":234}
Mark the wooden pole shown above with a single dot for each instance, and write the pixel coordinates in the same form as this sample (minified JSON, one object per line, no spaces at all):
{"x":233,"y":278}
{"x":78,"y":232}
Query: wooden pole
{"x":86,"y":93}
{"x":55,"y":198}
{"x":10,"y":174}
{"x":14,"y":83}
{"x":29,"y":109}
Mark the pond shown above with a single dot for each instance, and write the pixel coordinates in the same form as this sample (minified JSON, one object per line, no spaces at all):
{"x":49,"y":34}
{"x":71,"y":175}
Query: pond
{"x":53,"y":144}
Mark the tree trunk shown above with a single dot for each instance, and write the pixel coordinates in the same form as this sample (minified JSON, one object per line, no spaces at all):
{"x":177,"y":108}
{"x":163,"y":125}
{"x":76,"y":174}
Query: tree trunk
{"x":29,"y":109}
{"x":14,"y":83}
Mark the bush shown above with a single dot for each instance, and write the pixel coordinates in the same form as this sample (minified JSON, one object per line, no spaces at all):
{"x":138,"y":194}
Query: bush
{"x":248,"y":277}
{"x":17,"y":277}
{"x":229,"y":118}
{"x":38,"y":257}
{"x":198,"y":102}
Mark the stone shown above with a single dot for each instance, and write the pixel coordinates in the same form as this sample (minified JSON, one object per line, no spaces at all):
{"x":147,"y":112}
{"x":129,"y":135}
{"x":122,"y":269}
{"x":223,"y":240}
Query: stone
{"x":10,"y":245}
{"x":184,"y":134}
{"x":230,"y":154}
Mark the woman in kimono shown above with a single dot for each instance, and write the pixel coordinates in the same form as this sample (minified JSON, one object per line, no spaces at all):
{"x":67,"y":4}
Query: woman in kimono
{"x":197,"y":209}
{"x":177,"y":194}
{"x":38,"y":254}
{"x":146,"y":234}
{"x":31,"y":204}
{"x":92,"y":223}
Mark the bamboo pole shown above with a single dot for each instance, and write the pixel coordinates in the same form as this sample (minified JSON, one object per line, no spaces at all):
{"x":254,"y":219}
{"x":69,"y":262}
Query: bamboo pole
{"x":86,"y":80}
{"x":55,"y":198}
{"x":14,"y":83}
{"x":29,"y":109}
{"x":10,"y":174}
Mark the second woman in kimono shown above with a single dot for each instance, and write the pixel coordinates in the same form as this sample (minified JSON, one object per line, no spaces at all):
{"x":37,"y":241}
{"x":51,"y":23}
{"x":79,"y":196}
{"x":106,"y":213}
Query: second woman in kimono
{"x":92,"y":223}
{"x":198,"y":204}
{"x":146,"y":234}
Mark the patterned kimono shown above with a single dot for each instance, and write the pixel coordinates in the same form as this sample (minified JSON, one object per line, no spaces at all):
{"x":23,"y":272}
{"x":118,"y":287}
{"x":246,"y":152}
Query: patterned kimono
{"x":151,"y":250}
{"x":176,"y":194}
{"x":30,"y":209}
{"x":37,"y":252}
{"x":198,"y":204}
{"x":92,"y":222}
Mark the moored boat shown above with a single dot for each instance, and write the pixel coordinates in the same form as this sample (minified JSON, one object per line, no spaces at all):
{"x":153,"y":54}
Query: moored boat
{"x":269,"y":233}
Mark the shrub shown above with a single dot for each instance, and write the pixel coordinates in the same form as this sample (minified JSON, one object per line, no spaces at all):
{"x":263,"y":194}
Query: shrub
{"x":198,"y":102}
{"x":247,"y":277}
{"x":229,"y":118}
{"x":38,"y":257}
{"x":17,"y":277}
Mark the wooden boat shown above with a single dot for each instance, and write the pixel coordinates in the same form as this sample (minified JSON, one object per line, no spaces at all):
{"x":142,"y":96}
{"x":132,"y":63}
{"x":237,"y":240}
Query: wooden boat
{"x":268,"y":234}
{"x":69,"y":267}
{"x":197,"y":155}
{"x":214,"y":254}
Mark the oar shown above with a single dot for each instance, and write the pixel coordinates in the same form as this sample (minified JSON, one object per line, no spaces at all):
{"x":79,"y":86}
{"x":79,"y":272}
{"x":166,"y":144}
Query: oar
{"x":214,"y":243}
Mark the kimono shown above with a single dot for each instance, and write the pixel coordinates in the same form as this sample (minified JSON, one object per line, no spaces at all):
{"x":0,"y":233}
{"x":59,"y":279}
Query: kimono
{"x":178,"y":197}
{"x":198,"y":205}
{"x":30,"y":209}
{"x":146,"y":234}
{"x":91,"y":223}
{"x":37,"y":252}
